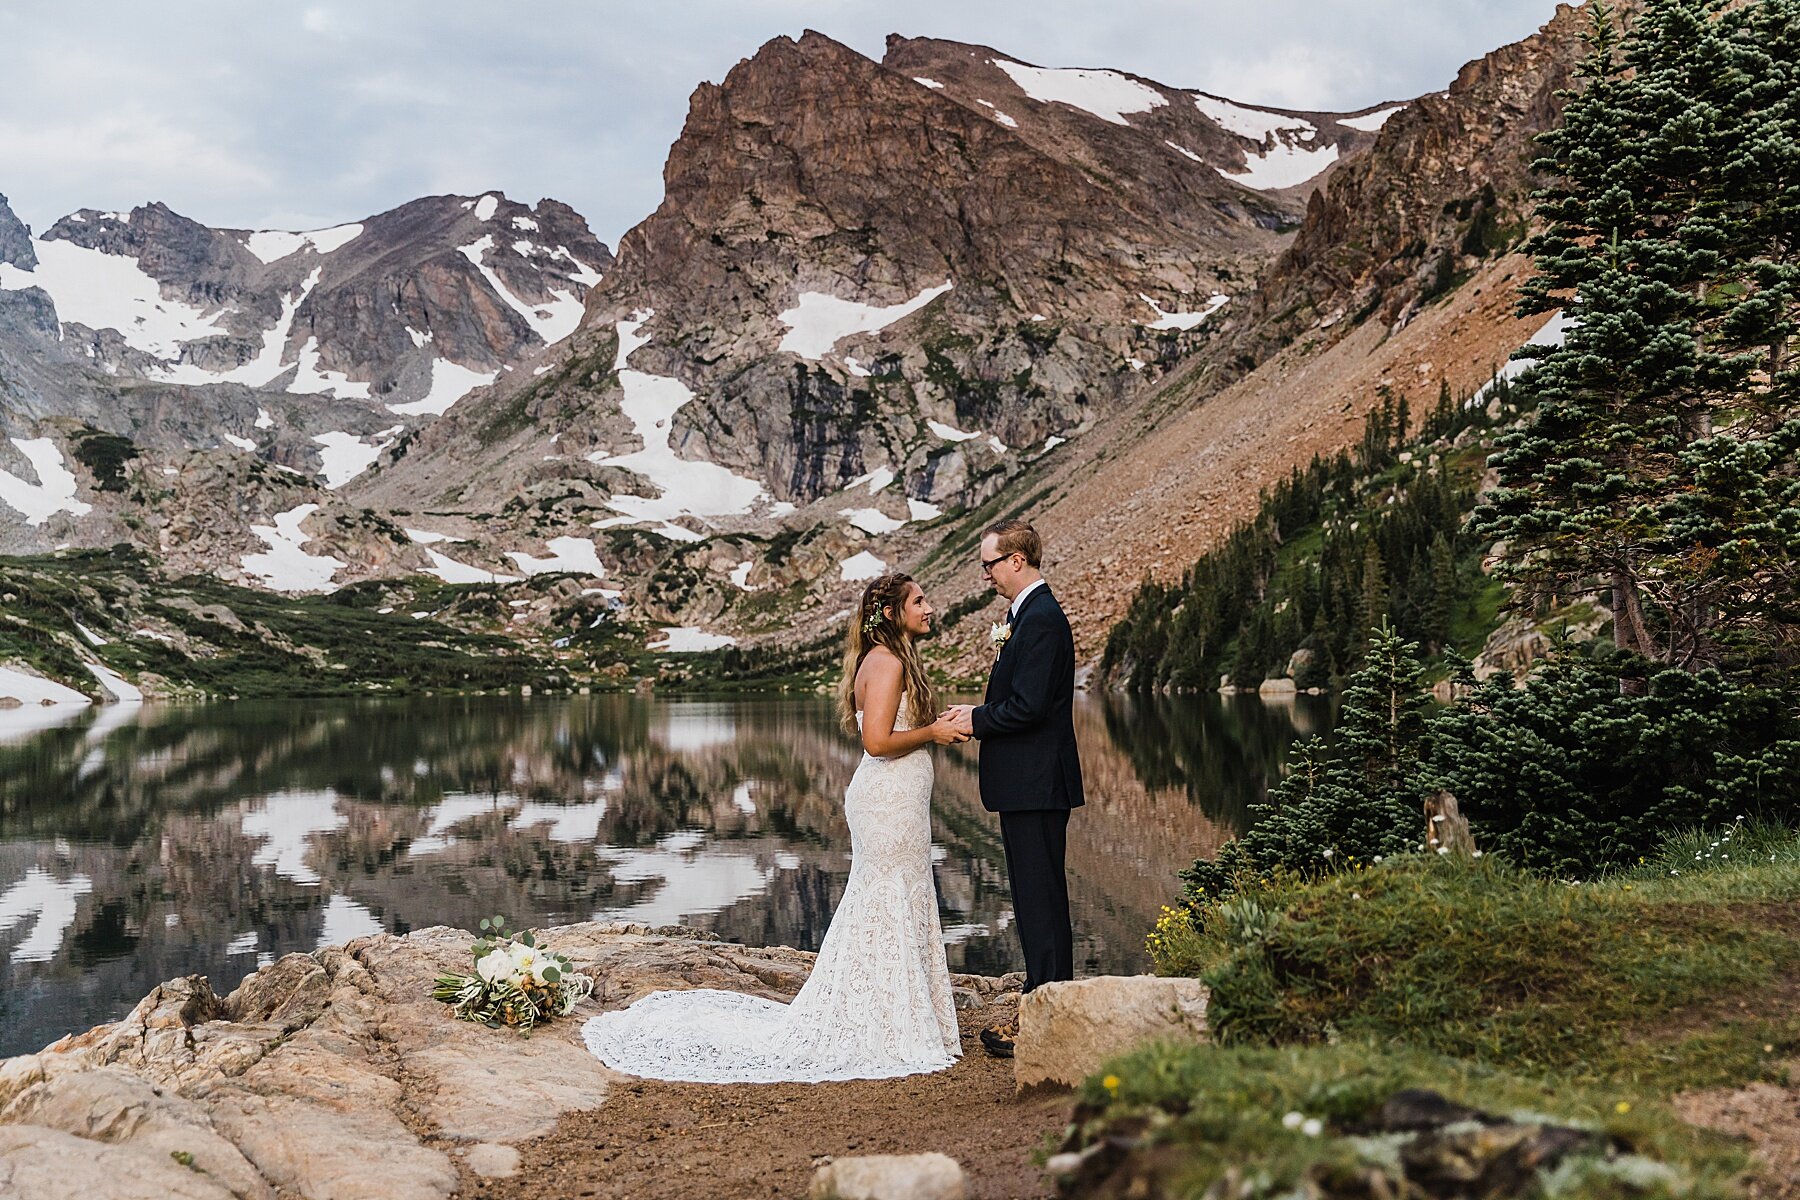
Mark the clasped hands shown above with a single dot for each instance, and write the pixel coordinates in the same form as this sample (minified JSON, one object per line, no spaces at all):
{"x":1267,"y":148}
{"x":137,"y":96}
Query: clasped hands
{"x":959,"y":720}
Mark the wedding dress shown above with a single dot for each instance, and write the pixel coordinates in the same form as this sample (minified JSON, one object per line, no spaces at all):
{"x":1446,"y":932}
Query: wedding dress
{"x":878,"y":1002}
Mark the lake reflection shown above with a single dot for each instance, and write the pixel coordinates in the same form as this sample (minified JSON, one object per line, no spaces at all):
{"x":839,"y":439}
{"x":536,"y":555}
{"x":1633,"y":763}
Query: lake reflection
{"x":139,"y":845}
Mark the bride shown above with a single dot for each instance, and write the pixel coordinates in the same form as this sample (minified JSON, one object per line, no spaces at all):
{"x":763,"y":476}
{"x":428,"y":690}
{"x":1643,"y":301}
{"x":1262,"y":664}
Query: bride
{"x":878,"y":1002}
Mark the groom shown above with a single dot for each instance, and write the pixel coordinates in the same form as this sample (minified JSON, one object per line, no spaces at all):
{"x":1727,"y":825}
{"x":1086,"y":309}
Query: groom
{"x":1030,"y":770}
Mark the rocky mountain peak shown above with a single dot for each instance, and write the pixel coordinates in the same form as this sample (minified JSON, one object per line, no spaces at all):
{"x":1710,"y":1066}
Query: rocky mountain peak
{"x":15,"y":239}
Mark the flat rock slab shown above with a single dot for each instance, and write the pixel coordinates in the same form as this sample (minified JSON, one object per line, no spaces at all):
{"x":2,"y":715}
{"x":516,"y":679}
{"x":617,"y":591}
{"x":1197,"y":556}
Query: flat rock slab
{"x":334,"y":1076}
{"x":1068,"y":1030}
{"x":491,"y":1160}
{"x":890,"y":1177}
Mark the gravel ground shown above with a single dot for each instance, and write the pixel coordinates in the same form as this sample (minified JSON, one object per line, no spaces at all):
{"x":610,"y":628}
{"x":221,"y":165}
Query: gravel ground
{"x":668,"y":1140}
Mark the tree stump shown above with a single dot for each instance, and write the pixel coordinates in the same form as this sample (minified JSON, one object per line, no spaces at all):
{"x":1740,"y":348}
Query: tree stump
{"x":1446,"y":829}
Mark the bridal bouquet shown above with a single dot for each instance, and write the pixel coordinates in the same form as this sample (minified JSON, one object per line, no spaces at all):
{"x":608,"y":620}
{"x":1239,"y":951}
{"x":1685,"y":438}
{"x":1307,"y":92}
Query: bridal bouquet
{"x":516,"y":981}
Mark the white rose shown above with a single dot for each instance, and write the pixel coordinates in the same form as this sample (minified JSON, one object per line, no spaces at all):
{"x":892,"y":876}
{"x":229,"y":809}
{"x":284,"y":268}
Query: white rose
{"x":494,"y":966}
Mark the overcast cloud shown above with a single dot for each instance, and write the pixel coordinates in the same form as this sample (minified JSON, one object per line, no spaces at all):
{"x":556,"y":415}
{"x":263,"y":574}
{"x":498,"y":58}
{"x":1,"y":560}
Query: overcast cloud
{"x":267,"y":114}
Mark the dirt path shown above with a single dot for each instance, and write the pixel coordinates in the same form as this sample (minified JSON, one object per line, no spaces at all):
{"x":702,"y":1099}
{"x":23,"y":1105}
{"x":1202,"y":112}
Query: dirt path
{"x":653,"y":1141}
{"x":1768,"y":1115}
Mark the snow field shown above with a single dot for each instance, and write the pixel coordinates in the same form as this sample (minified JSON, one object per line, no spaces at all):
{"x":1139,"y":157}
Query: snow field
{"x":1287,"y":157}
{"x":110,"y":291}
{"x":1183,"y":320}
{"x":450,"y":382}
{"x":688,"y":488}
{"x":1106,"y":94}
{"x":451,"y":571}
{"x":689,"y":639}
{"x":272,"y":245}
{"x":566,"y":554}
{"x":552,"y":320}
{"x":818,"y":321}
{"x":54,"y":491}
{"x":284,"y":566}
{"x":344,"y":456}
{"x":1370,"y":122}
{"x":861,"y":566}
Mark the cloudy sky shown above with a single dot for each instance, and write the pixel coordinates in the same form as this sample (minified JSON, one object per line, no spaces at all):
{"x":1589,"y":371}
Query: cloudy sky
{"x":268,"y":114}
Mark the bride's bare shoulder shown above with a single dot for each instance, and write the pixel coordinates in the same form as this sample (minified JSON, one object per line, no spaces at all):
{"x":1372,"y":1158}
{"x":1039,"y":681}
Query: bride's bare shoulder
{"x":879,"y":662}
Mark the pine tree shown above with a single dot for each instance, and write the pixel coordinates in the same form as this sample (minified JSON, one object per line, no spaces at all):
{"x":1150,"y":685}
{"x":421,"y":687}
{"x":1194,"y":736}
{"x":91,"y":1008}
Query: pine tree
{"x":1358,"y":796}
{"x":1670,"y":245}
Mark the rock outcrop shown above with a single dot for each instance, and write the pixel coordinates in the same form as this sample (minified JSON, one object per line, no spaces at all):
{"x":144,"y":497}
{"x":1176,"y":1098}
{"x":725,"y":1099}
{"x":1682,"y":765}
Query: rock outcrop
{"x":334,"y":1074}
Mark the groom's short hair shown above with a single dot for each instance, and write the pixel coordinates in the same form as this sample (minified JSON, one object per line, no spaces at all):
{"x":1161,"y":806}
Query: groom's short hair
{"x":1018,"y":537}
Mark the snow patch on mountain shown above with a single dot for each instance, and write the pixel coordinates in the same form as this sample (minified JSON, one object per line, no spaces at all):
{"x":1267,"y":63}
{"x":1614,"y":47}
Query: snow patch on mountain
{"x":266,"y":366}
{"x":450,"y":382}
{"x":344,"y":456}
{"x":689,"y":639}
{"x":1183,"y":320}
{"x":486,"y":207}
{"x":688,"y":488}
{"x":1106,"y":94}
{"x":1254,"y":123}
{"x":552,"y":320}
{"x":273,"y":245}
{"x":1284,"y":165}
{"x":110,"y":291}
{"x":998,"y":115}
{"x":933,"y":84}
{"x":1370,"y":122}
{"x":922,"y":510}
{"x":285,"y":567}
{"x":33,"y":689}
{"x":54,"y":491}
{"x":310,"y":380}
{"x":1183,"y":151}
{"x":451,"y":571}
{"x":949,"y":433}
{"x":818,"y":321}
{"x":1289,"y":154}
{"x":872,"y":520}
{"x":861,"y":566}
{"x":1554,"y":332}
{"x":570,"y":554}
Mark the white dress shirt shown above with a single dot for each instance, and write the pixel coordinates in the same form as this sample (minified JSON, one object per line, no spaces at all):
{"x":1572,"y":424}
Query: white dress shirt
{"x":1019,"y":600}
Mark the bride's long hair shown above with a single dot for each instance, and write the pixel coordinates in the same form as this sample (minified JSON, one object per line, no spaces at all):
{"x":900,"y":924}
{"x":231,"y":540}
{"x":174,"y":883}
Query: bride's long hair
{"x":876,"y":622}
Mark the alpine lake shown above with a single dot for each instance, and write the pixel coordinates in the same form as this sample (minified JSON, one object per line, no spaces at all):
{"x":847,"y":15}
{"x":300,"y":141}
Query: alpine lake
{"x":143,"y":843}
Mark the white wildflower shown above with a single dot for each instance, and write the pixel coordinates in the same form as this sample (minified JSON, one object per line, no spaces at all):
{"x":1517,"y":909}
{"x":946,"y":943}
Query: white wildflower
{"x":1293,"y":1120}
{"x":1312,"y":1127}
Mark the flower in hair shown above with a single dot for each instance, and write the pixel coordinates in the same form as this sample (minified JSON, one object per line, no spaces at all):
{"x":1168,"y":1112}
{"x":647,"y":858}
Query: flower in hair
{"x":871,"y":623}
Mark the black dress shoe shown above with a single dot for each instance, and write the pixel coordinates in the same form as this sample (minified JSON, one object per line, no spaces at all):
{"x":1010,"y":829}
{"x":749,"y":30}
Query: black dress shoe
{"x":998,"y":1040}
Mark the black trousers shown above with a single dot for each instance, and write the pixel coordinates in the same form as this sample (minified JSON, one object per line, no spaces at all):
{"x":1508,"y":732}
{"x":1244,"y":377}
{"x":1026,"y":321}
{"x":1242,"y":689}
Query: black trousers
{"x":1035,"y":843}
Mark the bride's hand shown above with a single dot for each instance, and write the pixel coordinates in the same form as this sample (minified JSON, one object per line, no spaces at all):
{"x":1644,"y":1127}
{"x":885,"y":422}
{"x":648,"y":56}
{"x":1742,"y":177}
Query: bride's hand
{"x":945,"y":733}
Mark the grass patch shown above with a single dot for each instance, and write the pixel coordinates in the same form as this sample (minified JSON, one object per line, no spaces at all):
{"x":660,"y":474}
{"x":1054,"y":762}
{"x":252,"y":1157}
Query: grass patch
{"x":1557,"y":1011}
{"x":1216,"y":1121}
{"x":1666,"y":981}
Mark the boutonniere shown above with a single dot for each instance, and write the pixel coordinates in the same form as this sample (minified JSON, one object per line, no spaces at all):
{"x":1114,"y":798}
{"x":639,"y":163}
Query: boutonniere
{"x":998,"y":632}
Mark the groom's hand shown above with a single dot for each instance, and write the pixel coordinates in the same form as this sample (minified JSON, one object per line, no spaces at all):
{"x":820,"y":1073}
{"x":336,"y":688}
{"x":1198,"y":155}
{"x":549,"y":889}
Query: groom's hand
{"x":961,"y":717}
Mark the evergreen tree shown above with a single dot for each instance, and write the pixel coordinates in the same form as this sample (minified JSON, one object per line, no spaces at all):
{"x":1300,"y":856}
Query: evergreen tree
{"x":1669,"y":243}
{"x":1355,"y":797}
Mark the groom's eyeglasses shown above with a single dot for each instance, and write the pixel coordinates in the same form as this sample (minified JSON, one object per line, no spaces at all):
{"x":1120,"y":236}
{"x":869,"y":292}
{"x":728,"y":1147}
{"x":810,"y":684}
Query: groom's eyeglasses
{"x":988,"y":564}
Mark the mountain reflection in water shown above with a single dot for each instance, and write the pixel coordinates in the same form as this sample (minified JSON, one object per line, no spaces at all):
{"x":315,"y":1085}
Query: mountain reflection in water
{"x":138,"y":845}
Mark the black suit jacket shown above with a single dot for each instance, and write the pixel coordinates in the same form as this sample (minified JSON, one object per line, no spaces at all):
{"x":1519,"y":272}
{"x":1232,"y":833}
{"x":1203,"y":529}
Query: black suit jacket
{"x":1027,"y":728}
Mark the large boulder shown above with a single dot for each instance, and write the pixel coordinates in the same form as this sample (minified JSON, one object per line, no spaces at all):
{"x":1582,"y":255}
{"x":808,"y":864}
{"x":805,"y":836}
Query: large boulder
{"x":890,"y":1177}
{"x":1068,"y":1030}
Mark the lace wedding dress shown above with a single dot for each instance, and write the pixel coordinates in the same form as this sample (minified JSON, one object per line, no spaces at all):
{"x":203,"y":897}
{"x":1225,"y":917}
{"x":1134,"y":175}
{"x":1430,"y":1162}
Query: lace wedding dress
{"x":878,"y":1002}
